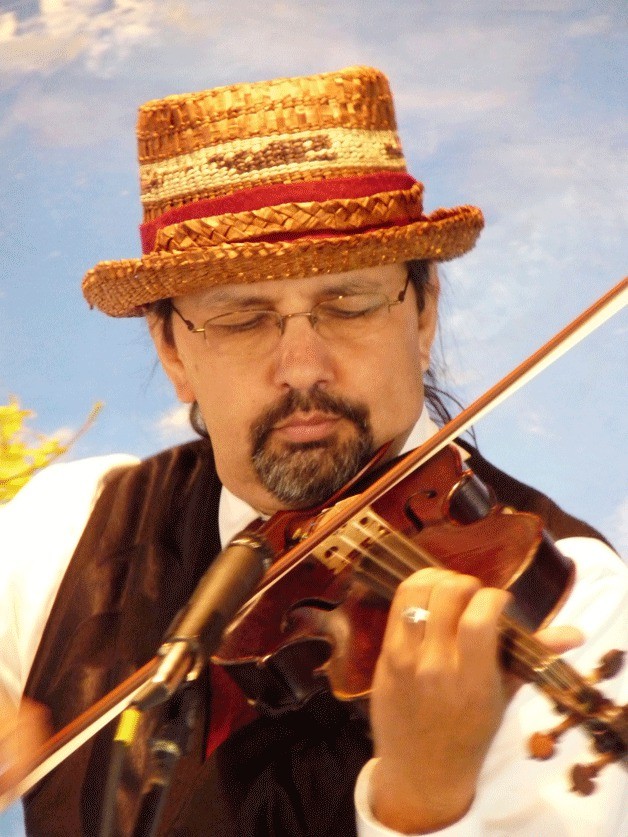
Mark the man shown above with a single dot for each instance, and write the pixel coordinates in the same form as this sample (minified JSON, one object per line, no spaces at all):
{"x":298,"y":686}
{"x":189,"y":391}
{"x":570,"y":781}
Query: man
{"x":290,"y":287}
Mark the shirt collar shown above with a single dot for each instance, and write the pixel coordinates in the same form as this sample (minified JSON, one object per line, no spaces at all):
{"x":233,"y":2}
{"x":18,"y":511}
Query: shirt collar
{"x":235,"y":514}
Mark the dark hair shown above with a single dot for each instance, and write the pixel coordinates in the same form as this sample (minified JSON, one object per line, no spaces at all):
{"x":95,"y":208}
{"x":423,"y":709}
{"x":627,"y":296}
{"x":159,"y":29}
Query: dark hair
{"x":420,"y":272}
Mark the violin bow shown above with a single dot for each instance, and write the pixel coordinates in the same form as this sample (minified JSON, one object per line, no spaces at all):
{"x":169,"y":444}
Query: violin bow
{"x":71,"y":737}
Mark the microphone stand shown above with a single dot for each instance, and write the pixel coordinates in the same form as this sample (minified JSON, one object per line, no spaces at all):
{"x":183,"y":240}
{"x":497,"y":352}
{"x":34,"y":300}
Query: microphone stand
{"x":166,"y":748}
{"x":193,"y":636}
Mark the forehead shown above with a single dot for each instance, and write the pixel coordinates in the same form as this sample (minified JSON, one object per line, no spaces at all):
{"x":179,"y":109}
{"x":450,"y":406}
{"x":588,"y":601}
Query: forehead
{"x":382,"y":278}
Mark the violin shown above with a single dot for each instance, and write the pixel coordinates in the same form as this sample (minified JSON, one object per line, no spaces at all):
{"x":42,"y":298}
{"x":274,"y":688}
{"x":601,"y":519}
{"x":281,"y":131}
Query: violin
{"x":317,"y":617}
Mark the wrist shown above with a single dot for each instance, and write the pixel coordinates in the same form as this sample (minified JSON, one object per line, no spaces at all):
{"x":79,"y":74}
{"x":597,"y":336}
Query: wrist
{"x":413,"y":807}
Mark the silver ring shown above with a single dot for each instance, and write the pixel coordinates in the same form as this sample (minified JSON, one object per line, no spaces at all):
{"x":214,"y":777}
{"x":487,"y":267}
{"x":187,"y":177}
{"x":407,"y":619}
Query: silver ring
{"x":414,"y":615}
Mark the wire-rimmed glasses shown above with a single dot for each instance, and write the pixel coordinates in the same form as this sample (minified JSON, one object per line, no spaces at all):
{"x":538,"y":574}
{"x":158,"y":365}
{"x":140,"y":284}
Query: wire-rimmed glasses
{"x":256,"y":331}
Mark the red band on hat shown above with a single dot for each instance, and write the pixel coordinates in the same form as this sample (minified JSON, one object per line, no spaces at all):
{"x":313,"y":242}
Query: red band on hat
{"x":275,"y":194}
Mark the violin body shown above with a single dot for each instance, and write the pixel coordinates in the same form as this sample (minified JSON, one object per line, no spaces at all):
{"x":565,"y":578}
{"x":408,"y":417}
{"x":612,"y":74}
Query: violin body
{"x":319,"y":622}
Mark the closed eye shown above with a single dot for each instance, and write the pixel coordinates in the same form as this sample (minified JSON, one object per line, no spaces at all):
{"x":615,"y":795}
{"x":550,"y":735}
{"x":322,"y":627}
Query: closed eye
{"x":240,"y":320}
{"x":350,"y":307}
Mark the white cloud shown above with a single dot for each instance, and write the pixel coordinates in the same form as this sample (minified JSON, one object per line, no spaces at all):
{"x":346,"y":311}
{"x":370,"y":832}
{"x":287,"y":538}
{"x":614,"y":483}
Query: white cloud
{"x":618,"y":528}
{"x":101,"y":34}
{"x":556,"y":212}
{"x":8,"y":26}
{"x":588,"y":27}
{"x":480,"y":70}
{"x":173,"y":426}
{"x":105,"y":36}
{"x":38,"y":52}
{"x":535,"y":423}
{"x":458,"y":102}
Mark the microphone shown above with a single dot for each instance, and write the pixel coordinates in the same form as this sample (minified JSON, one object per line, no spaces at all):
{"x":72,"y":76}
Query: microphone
{"x":198,"y":628}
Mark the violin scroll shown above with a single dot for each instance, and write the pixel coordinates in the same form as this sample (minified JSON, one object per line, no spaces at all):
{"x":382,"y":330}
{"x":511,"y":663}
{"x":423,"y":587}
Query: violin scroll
{"x":607,"y":723}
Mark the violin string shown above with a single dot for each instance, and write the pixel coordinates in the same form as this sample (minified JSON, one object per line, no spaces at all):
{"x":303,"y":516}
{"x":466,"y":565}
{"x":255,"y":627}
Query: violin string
{"x":387,"y":546}
{"x":526,"y":649}
{"x":555,"y":671}
{"x":542,"y":661}
{"x":529,"y":651}
{"x":388,"y":578}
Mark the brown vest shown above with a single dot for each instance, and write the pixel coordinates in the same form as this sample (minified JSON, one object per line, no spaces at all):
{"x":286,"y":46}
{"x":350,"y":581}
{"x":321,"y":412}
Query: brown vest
{"x":151,"y":536}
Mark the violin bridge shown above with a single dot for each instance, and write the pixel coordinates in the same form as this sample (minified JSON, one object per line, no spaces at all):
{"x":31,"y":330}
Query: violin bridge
{"x":338,"y":551}
{"x":379,"y":555}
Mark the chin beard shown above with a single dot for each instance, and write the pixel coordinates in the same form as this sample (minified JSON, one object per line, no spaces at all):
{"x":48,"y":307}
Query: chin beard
{"x":308,"y":473}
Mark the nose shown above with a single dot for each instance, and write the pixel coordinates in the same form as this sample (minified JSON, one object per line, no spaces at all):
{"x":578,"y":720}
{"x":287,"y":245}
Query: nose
{"x":283,"y":318}
{"x":302,"y":358}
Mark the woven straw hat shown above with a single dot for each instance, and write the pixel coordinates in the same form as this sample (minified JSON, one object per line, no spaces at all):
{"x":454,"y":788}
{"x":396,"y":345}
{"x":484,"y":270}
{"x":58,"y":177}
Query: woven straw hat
{"x":274,"y":180}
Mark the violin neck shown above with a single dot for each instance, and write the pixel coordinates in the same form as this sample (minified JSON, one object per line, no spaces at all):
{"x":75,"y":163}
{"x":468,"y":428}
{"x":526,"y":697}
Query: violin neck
{"x":382,"y":557}
{"x":531,"y":660}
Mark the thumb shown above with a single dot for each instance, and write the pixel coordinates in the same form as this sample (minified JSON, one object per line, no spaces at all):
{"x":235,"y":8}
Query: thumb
{"x":561,"y":638}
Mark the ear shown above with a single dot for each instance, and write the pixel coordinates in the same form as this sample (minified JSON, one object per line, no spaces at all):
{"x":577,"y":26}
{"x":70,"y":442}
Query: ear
{"x":165,"y":343}
{"x":428,"y":318}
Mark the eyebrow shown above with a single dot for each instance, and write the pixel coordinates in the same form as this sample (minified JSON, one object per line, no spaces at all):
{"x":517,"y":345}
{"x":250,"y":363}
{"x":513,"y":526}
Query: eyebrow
{"x":352,"y":287}
{"x":226,"y":297}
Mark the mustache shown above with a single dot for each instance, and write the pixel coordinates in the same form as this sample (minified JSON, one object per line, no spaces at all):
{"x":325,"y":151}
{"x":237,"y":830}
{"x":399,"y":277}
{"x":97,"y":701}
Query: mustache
{"x":315,"y":399}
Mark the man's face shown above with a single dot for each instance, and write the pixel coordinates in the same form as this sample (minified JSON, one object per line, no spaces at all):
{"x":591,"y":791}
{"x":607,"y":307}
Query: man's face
{"x":290,"y":425}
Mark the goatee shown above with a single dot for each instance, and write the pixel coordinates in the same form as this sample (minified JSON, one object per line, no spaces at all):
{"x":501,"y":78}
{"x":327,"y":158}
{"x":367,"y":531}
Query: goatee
{"x":308,"y":473}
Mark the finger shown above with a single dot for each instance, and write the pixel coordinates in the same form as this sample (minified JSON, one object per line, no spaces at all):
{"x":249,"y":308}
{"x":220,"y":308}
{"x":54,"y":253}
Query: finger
{"x":449,"y":598}
{"x":479,"y":633}
{"x":413,"y":592}
{"x":403,"y":635}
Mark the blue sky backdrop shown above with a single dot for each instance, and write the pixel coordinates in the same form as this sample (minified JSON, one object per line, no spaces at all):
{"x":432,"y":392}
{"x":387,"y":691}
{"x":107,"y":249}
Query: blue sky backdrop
{"x":518,"y":107}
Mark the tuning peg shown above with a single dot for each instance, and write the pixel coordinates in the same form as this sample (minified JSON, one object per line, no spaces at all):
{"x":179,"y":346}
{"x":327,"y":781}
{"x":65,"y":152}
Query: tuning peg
{"x":582,"y":775}
{"x":609,"y":666}
{"x":541,"y":744}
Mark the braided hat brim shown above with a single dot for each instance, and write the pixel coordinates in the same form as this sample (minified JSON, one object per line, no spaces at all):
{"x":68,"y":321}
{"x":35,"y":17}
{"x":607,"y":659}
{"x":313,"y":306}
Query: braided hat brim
{"x":123,"y":288}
